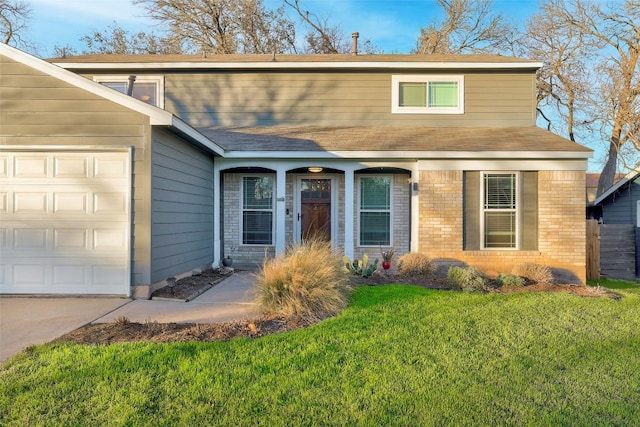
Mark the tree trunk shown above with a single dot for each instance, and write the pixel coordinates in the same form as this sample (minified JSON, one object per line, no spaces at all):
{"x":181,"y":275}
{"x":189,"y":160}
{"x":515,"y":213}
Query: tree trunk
{"x":609,"y":171}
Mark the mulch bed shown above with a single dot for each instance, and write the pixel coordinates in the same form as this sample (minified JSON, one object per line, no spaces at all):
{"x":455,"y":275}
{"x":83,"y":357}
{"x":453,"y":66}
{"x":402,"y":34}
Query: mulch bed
{"x":124,"y":331}
{"x":190,"y":287}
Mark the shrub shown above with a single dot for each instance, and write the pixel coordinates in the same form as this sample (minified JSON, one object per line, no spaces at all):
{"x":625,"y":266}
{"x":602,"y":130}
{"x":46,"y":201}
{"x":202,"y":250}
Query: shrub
{"x":415,"y":264}
{"x":506,"y":279}
{"x":466,"y":278}
{"x":308,"y":281}
{"x":536,"y":273}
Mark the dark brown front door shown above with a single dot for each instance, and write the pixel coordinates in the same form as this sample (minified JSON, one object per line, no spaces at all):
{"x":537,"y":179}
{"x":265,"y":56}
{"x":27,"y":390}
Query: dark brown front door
{"x":315,"y":209}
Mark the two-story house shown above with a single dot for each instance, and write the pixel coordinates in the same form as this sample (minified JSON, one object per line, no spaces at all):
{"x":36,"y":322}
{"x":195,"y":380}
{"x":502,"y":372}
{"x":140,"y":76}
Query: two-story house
{"x":146,"y":167}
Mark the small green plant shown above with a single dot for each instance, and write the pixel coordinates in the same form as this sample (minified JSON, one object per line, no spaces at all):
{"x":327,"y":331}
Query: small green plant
{"x":307,"y":281}
{"x":361,"y":267}
{"x":466,"y":278}
{"x":415,"y":264}
{"x":536,"y":273}
{"x":506,"y":279}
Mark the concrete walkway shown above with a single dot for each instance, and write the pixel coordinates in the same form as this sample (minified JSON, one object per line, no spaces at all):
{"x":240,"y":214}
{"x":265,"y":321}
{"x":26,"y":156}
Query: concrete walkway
{"x":26,"y":321}
{"x":231,"y":299}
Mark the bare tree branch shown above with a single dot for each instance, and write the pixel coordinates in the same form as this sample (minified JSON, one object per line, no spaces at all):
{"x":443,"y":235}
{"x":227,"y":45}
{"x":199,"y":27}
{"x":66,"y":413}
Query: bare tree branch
{"x":470,"y":26}
{"x":321,"y":37}
{"x":14,"y":17}
{"x":224,"y":26}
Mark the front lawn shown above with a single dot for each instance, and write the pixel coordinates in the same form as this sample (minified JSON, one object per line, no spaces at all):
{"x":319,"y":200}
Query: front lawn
{"x":399,"y":355}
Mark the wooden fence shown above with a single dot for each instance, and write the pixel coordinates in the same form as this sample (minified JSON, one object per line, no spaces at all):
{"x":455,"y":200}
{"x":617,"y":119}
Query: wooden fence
{"x":611,"y":250}
{"x":593,"y":249}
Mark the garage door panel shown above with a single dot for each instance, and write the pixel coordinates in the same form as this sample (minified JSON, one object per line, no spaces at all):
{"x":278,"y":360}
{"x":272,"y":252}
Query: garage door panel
{"x":70,"y":275}
{"x":109,"y":203}
{"x":71,"y":166}
{"x":28,"y":274}
{"x":4,"y":203}
{"x":109,"y":239}
{"x":30,"y":238}
{"x":66,"y":221}
{"x":109,"y":166}
{"x":70,"y":203}
{"x":31,"y":166}
{"x":73,"y":238}
{"x":4,"y":166}
{"x":31,"y":203}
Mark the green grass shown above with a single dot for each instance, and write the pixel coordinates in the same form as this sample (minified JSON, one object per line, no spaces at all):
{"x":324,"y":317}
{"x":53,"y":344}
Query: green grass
{"x":399,"y":355}
{"x":614,"y":283}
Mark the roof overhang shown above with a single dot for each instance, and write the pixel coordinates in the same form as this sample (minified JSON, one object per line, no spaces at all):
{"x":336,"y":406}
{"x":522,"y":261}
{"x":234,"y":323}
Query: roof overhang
{"x":275,"y":65}
{"x":615,"y":187}
{"x":523,"y":155}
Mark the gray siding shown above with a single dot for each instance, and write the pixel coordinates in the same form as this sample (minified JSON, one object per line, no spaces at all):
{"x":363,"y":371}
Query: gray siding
{"x":40,"y":110}
{"x":182,"y":199}
{"x":338,"y":99}
{"x":621,"y":208}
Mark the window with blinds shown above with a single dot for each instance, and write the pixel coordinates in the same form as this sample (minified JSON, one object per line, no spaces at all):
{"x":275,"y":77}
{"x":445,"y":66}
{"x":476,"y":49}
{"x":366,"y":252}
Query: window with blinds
{"x":375,"y":211}
{"x":500,"y":210}
{"x":257,"y":210}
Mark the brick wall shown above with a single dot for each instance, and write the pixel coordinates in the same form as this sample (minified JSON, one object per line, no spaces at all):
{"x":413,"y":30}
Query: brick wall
{"x":561,"y":227}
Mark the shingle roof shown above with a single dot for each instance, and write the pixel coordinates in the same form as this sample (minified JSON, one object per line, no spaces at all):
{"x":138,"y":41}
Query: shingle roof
{"x":315,"y":138}
{"x":326,"y":58}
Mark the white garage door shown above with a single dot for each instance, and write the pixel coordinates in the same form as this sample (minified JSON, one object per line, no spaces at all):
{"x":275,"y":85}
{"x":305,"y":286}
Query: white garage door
{"x":65,"y":222}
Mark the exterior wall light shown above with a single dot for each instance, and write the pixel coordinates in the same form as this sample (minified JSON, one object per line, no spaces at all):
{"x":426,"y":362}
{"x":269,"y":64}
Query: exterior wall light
{"x":315,"y":169}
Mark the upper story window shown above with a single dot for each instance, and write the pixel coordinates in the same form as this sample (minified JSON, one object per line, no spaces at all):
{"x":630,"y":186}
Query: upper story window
{"x":149,"y":89}
{"x":427,"y":94}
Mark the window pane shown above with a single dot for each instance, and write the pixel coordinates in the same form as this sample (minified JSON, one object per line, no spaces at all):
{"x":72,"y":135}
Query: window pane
{"x":375,"y":193}
{"x":500,"y":191}
{"x":256,"y":228}
{"x":443,"y":94}
{"x":145,"y":91}
{"x":413,"y":94}
{"x":257,"y":193}
{"x":500,"y":229}
{"x":119,"y":86}
{"x":375,"y":228}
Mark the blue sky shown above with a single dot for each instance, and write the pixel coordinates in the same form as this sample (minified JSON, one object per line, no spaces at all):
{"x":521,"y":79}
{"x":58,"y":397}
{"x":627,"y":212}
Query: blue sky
{"x":392,"y":25}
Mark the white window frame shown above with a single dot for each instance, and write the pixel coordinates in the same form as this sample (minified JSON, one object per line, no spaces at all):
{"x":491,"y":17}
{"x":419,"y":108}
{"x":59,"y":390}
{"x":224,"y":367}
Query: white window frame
{"x":395,"y":94}
{"x":242,"y":210}
{"x":119,"y":78}
{"x":390,"y":210}
{"x":516,"y":210}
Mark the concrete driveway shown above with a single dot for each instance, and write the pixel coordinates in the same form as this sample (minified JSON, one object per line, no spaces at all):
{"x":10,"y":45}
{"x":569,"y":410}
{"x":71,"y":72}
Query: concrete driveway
{"x":26,"y":321}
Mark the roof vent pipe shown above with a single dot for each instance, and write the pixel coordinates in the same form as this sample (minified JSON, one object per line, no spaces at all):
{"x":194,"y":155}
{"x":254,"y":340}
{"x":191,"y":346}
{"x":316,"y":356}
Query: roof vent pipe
{"x":132,"y":79}
{"x":354,"y":48}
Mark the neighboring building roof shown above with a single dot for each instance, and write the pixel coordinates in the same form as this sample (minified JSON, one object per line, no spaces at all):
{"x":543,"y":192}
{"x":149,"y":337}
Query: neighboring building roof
{"x":157,"y":116}
{"x":294,"y":61}
{"x":398,"y":141}
{"x":591,"y":179}
{"x":615,"y":187}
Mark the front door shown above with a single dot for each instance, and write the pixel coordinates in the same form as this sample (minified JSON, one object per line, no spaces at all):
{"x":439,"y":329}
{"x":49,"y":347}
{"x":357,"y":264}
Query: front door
{"x":315,"y":208}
